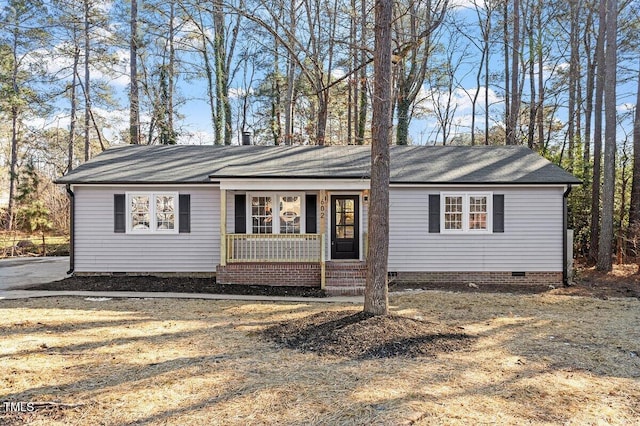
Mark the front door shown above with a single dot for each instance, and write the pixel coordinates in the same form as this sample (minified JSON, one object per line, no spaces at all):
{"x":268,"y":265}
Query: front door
{"x":345,"y":239}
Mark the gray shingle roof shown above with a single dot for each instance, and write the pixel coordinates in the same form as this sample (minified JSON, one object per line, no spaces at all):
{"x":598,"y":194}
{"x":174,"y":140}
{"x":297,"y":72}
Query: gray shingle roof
{"x":409,"y":164}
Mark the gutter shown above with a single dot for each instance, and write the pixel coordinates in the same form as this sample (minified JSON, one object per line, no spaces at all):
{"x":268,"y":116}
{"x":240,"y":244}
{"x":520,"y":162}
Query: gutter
{"x":565,"y":223}
{"x":72,"y":205}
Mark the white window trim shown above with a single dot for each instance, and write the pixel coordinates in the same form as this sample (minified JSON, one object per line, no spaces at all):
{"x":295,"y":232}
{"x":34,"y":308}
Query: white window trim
{"x":275,"y":209}
{"x":152,"y":213}
{"x":465,"y":212}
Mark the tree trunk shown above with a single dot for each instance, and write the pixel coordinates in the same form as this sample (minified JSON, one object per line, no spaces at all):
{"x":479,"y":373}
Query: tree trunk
{"x":134,"y":103}
{"x":276,"y":105}
{"x":288,"y":102}
{"x":594,"y":234}
{"x":352,"y":88}
{"x":608,"y":186}
{"x":541,"y":92}
{"x":171,"y":76}
{"x":87,"y":82}
{"x":514,"y":112}
{"x":474,"y":100}
{"x":402,"y":126}
{"x":291,"y":75}
{"x":74,"y":101}
{"x":507,"y":79}
{"x":588,"y":110}
{"x":223,"y":108}
{"x":634,"y":208}
{"x":13,"y":165}
{"x":486,"y":80}
{"x":376,"y":298}
{"x":533,"y":106}
{"x":362,"y":107}
{"x":573,"y":77}
{"x":323,"y":114}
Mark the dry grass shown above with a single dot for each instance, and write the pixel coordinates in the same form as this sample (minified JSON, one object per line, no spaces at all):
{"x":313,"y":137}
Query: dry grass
{"x":542,"y":359}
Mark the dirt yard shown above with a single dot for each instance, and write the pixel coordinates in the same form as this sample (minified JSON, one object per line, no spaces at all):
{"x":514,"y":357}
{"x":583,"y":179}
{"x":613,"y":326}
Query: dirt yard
{"x":542,"y":359}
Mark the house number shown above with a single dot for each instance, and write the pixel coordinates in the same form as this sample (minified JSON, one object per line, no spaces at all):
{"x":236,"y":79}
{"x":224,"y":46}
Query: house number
{"x":323,"y":204}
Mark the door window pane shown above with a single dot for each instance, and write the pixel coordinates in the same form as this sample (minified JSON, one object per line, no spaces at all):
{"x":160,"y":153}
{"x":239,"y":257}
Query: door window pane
{"x":345,"y":218}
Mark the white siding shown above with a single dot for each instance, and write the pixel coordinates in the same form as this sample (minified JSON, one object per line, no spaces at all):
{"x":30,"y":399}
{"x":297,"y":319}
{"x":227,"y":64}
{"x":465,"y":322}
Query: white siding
{"x":99,"y":249}
{"x":532,"y":238}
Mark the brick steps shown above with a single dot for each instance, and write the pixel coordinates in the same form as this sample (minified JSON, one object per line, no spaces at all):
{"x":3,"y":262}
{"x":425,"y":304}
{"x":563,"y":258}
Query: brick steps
{"x":345,"y":278}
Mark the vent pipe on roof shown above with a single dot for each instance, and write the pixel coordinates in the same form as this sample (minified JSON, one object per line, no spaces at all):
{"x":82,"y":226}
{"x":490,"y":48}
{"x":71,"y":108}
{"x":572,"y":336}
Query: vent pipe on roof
{"x":246,"y":138}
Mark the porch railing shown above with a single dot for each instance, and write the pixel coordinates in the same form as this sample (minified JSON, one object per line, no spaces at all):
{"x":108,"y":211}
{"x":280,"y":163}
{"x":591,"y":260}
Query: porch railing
{"x":274,"y":248}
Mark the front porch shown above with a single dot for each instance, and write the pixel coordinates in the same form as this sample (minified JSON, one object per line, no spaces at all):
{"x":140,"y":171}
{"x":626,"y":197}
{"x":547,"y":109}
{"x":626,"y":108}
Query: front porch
{"x":288,"y":260}
{"x":312,"y":237}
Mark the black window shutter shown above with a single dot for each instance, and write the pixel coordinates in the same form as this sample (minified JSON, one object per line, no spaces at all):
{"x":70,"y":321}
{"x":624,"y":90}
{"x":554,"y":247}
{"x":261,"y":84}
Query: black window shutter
{"x":241,"y":214}
{"x":434,"y":213}
{"x":311,"y":207}
{"x":119,"y":214}
{"x":184,"y":212}
{"x":498,"y":213}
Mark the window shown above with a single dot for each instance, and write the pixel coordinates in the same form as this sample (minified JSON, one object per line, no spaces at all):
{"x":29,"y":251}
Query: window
{"x":152,"y":212}
{"x":261,"y":215}
{"x":290,"y":214}
{"x":466,"y":212}
{"x":453,"y":212}
{"x":281,"y":217}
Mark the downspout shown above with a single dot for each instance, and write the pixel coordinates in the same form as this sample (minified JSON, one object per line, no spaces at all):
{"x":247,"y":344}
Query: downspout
{"x":565,"y":224}
{"x":72,"y":205}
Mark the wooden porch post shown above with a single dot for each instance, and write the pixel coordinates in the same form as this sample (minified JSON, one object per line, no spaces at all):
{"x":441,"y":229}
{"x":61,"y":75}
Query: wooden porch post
{"x":324,"y":212}
{"x":223,"y":227}
{"x":323,"y":245}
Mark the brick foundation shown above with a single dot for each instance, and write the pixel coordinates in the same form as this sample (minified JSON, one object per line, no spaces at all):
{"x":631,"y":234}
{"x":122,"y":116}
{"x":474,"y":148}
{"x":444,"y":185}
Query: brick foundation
{"x":273,"y":274}
{"x":456,"y":278}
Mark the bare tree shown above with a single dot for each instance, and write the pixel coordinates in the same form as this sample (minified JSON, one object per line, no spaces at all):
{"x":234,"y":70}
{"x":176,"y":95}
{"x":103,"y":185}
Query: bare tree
{"x":87,"y":78}
{"x":574,"y":76}
{"x":134,"y":99}
{"x":514,"y":106}
{"x":413,"y":31}
{"x":74,"y":100}
{"x":363,"y":90}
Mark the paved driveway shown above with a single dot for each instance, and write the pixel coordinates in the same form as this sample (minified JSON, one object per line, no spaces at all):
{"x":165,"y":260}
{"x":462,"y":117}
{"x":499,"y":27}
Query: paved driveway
{"x":23,"y":272}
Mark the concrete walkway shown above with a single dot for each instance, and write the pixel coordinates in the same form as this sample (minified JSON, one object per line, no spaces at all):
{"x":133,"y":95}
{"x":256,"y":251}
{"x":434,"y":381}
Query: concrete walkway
{"x":22,"y":272}
{"x":27,"y":294}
